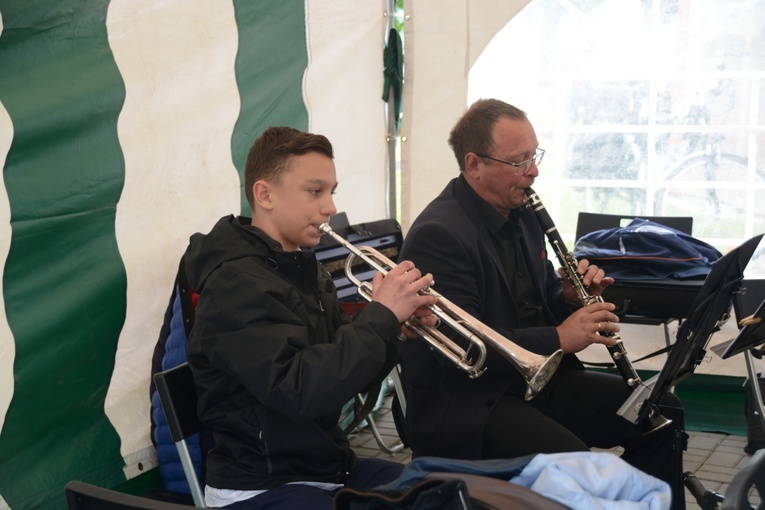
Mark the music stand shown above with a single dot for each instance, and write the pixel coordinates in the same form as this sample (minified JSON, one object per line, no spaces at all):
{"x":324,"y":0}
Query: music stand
{"x":749,"y":336}
{"x":710,"y":307}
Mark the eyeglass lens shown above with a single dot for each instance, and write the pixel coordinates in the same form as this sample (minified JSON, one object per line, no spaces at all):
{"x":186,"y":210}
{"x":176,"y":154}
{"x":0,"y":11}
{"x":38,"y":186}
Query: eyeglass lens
{"x":525,"y":166}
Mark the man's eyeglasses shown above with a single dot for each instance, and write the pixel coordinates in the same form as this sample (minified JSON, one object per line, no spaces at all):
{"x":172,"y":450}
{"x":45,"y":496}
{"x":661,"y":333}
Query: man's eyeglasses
{"x":523,"y":167}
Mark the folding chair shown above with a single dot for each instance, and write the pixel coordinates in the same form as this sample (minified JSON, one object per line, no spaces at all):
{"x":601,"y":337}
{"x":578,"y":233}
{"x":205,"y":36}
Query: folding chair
{"x":170,"y":351}
{"x":364,"y":411}
{"x":179,"y":401}
{"x":84,"y":496}
{"x":590,"y":222}
{"x":752,"y":476}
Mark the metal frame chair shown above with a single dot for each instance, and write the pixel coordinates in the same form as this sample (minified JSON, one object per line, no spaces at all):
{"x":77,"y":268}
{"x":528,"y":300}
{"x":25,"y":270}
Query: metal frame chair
{"x":84,"y":496}
{"x":590,"y":222}
{"x":398,"y":445}
{"x":179,"y":402}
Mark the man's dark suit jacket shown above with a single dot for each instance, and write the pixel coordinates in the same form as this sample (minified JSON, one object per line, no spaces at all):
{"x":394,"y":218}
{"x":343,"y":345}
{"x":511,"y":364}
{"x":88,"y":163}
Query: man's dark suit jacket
{"x":446,"y":411}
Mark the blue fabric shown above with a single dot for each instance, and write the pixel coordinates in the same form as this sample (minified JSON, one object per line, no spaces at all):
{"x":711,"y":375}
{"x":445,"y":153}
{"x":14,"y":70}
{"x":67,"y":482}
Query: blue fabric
{"x":170,"y":468}
{"x":420,"y":467}
{"x":578,"y":480}
{"x":175,"y":347}
{"x":585,"y":480}
{"x":646,"y":250}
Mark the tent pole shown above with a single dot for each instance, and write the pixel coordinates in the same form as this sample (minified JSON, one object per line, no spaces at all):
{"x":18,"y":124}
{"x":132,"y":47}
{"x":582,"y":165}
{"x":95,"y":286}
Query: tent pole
{"x":392,"y":131}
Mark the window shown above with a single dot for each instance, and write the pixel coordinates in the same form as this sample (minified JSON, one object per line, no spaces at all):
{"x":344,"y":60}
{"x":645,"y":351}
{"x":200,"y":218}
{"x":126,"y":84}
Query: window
{"x":653,"y":107}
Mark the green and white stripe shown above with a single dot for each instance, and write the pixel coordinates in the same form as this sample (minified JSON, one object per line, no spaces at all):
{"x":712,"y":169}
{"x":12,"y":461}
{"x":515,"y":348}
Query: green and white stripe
{"x":64,"y":284}
{"x":124,"y":127}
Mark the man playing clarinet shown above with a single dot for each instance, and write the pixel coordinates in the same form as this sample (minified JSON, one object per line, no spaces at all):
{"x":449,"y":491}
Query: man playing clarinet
{"x":488,"y":255}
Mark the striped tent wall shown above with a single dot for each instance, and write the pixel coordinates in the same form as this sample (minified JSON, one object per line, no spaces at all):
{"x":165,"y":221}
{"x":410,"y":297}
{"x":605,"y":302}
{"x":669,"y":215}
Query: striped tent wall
{"x":123,"y":130}
{"x":124,"y":127}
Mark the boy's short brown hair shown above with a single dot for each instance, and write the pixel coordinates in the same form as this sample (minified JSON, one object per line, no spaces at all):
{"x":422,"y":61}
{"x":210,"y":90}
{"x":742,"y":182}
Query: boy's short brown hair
{"x":272,"y":151}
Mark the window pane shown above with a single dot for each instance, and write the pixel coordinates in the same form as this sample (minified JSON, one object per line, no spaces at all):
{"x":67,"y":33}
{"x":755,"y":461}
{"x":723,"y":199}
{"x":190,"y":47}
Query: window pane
{"x":653,"y":107}
{"x":606,"y":156}
{"x":626,"y":201}
{"x":608,"y":102}
{"x":708,"y":99}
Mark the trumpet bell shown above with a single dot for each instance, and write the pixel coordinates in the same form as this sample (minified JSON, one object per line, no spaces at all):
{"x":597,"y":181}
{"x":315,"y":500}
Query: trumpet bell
{"x":538,"y":378}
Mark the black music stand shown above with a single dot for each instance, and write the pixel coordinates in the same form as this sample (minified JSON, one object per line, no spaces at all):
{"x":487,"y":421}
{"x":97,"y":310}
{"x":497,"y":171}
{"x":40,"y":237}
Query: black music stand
{"x":711,"y":305}
{"x":751,"y":335}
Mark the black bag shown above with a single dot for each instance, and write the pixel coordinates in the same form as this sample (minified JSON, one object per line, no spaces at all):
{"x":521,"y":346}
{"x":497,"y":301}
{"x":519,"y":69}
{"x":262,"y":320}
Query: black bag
{"x":450,"y":491}
{"x":425,"y":495}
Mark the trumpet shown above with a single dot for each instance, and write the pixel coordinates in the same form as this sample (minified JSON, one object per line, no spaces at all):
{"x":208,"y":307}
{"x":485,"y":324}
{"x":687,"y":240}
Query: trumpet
{"x":535,"y":369}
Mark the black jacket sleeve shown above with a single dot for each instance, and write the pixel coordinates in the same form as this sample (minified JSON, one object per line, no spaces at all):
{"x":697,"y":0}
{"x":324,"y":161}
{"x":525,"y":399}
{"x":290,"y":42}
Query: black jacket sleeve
{"x":265,"y":340}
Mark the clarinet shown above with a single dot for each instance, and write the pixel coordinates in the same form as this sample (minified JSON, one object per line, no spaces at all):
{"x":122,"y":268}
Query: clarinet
{"x":569,"y":264}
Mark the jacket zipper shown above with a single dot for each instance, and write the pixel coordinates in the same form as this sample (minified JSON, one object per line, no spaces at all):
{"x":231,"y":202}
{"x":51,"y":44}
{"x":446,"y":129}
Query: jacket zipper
{"x":269,"y":467}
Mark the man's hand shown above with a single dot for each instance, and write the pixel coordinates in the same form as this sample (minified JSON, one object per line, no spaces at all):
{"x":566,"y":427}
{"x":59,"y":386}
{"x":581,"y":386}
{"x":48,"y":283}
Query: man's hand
{"x":425,"y":317}
{"x":593,"y":278}
{"x":583,"y":327}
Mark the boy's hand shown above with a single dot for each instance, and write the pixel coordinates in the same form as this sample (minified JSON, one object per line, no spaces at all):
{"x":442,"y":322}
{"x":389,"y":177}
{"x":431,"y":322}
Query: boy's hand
{"x":400,"y":289}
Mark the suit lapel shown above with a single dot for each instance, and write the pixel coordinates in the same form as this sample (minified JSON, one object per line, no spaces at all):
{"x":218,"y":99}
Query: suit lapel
{"x":536,"y":255}
{"x":464,"y":198}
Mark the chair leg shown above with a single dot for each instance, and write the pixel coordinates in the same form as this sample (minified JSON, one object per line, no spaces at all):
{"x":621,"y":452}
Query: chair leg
{"x":376,"y":433}
{"x":399,"y":390}
{"x":750,"y":476}
{"x":191,"y":475}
